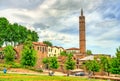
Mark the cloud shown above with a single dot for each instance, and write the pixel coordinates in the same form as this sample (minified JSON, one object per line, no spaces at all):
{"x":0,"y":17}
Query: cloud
{"x":22,"y":4}
{"x":58,"y":20}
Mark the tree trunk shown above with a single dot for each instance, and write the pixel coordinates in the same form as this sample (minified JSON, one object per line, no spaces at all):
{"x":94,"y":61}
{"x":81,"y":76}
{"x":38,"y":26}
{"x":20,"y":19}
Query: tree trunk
{"x":93,"y":73}
{"x":108,"y":73}
{"x":68,"y":73}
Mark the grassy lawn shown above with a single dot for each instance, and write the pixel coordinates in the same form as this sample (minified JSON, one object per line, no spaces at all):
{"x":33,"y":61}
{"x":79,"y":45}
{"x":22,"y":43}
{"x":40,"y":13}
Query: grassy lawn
{"x":23,"y":77}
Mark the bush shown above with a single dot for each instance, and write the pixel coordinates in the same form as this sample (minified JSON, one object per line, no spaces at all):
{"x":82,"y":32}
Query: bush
{"x":16,"y":65}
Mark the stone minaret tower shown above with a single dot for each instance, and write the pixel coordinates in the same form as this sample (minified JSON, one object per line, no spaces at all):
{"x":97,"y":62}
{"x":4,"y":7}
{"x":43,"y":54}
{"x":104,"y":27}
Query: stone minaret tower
{"x":82,"y":41}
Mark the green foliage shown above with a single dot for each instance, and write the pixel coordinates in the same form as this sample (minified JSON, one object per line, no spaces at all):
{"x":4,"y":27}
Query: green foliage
{"x":45,"y":60}
{"x":118,"y":53}
{"x":3,"y":26}
{"x":17,"y":33}
{"x":105,"y":63}
{"x":53,"y":63}
{"x":9,"y":54}
{"x":115,"y":64}
{"x":69,"y":64}
{"x":89,"y":52}
{"x":92,"y":65}
{"x":28,"y":53}
{"x":16,"y":65}
{"x":48,"y":43}
{"x":64,"y":53}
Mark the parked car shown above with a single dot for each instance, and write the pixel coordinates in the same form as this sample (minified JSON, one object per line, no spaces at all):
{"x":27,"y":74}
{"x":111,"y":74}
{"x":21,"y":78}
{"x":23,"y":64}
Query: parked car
{"x":80,"y":74}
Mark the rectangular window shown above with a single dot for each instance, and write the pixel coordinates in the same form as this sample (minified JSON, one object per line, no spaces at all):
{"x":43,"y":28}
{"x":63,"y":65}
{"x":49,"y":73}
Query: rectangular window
{"x":38,"y":48}
{"x":43,"y":49}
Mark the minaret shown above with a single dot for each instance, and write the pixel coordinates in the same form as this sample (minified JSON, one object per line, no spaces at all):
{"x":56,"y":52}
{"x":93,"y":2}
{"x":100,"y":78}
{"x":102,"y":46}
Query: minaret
{"x":82,"y":41}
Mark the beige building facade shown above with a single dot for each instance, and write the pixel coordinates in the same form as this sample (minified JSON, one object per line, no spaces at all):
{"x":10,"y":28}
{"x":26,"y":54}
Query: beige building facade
{"x":54,"y":51}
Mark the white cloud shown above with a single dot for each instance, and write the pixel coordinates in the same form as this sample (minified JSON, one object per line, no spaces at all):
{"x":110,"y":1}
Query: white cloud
{"x":50,"y":17}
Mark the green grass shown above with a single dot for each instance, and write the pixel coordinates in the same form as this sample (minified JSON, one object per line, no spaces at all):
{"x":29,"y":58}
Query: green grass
{"x":23,"y":77}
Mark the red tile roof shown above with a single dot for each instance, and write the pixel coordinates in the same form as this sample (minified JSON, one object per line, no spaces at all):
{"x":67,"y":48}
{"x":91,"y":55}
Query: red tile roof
{"x":39,"y":43}
{"x":73,"y":49}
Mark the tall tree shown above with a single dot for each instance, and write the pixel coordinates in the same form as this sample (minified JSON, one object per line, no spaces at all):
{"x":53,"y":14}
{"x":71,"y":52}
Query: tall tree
{"x":118,"y":53}
{"x":115,"y":63}
{"x":3,"y":26}
{"x":115,"y":66}
{"x":28,"y":53}
{"x":64,"y":53}
{"x":45,"y":61}
{"x":92,"y":65}
{"x":89,"y":52}
{"x":53,"y":63}
{"x":69,"y":64}
{"x":48,"y":43}
{"x":9,"y":54}
{"x":105,"y":64}
{"x":17,"y":33}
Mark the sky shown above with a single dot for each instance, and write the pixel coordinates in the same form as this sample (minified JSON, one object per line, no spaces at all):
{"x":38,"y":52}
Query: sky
{"x":58,"y":21}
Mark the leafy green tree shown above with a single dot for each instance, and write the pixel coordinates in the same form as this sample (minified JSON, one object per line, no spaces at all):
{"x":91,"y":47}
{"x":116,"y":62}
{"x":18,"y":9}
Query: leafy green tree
{"x":53,"y":63}
{"x":9,"y":54}
{"x":115,"y":66}
{"x":89,"y":52}
{"x":92,"y":65}
{"x":105,"y":64}
{"x":48,"y":43}
{"x":46,"y":62}
{"x":17,"y":33}
{"x":3,"y":26}
{"x":34,"y":36}
{"x":118,"y":53}
{"x":28,"y":53}
{"x":69,"y":64}
{"x":64,"y":53}
{"x":115,"y":63}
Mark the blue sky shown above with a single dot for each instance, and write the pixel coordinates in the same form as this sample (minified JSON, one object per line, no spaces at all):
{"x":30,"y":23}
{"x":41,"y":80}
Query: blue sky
{"x":57,"y":21}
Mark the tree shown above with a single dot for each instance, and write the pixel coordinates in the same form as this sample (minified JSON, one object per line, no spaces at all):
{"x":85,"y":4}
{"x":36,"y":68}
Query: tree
{"x":92,"y":65}
{"x":69,"y":64}
{"x":17,"y":33}
{"x":48,"y":43}
{"x":3,"y":26}
{"x":89,"y":52}
{"x":63,"y":53}
{"x":9,"y":54}
{"x":28,"y":53}
{"x":46,"y":62}
{"x":105,"y":64}
{"x":118,"y":53}
{"x":53,"y":63}
{"x":115,"y":63}
{"x":115,"y":66}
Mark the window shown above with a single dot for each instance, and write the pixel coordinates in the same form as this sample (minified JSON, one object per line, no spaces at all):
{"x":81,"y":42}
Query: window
{"x":43,"y":49}
{"x":38,"y":48}
{"x":55,"y":51}
{"x":51,"y":50}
